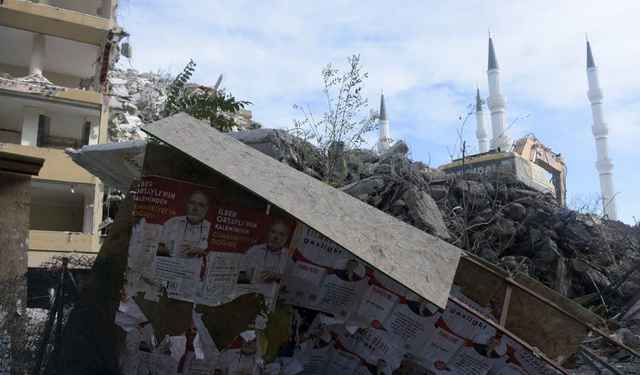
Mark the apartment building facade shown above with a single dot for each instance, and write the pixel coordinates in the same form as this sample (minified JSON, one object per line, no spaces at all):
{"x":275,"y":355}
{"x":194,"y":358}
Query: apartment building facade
{"x":54,"y":60}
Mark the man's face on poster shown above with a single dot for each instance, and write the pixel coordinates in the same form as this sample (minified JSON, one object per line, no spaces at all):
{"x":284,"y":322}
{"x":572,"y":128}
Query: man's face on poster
{"x":197,"y":207}
{"x":248,"y":348}
{"x":277,"y":236}
{"x":493,"y":343}
{"x":352,"y":265}
{"x":381,"y":364}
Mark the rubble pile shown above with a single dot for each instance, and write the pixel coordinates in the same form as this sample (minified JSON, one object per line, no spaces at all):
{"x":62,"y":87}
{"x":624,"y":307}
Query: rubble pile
{"x":493,"y":216}
{"x":497,"y":218}
{"x":138,"y":98}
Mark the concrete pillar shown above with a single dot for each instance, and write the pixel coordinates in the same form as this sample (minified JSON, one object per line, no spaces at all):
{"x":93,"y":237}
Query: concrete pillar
{"x":15,"y":196}
{"x":94,"y":133}
{"x":31,"y":116}
{"x":36,"y":65}
{"x":104,"y":120}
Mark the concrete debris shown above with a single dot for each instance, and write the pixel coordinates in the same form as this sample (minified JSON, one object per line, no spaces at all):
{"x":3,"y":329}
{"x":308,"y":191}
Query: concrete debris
{"x":425,"y":213}
{"x":32,"y":84}
{"x":504,"y":222}
{"x":142,"y":96}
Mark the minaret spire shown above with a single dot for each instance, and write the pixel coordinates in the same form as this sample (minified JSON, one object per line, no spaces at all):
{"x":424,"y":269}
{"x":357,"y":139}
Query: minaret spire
{"x":600,"y":131}
{"x":384,"y":141}
{"x":497,"y":103}
{"x":481,"y":132}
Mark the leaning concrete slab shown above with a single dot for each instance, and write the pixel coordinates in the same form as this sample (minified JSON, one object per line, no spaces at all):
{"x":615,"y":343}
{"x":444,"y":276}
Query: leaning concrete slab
{"x":412,"y":257}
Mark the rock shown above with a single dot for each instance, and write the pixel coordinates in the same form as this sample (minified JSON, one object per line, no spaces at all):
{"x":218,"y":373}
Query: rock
{"x":541,"y":265}
{"x":384,"y":169}
{"x":391,"y":159}
{"x":398,"y":148}
{"x":535,"y":235}
{"x":420,"y":167}
{"x":489,"y":187}
{"x":356,"y":158}
{"x":488,"y":254}
{"x":365,"y":170}
{"x":579,"y":266}
{"x":506,"y":229}
{"x":517,"y":211}
{"x":502,"y":192}
{"x":469,"y":189}
{"x":397,"y":207}
{"x":510,"y":263}
{"x":577,"y":234}
{"x":629,"y":338}
{"x":438,"y":192}
{"x":425,"y":213}
{"x":540,"y":216}
{"x":363,"y":188}
{"x":547,"y":250}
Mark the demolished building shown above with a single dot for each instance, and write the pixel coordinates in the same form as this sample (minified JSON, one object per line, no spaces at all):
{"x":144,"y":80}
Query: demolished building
{"x":53,"y":83}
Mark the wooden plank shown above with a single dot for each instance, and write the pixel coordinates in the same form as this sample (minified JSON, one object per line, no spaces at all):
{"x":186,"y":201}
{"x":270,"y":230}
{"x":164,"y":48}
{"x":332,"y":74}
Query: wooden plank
{"x":505,"y":305}
{"x":412,"y":257}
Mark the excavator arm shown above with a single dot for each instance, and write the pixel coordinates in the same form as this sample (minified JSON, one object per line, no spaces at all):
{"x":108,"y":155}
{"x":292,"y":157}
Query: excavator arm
{"x":531,"y":149}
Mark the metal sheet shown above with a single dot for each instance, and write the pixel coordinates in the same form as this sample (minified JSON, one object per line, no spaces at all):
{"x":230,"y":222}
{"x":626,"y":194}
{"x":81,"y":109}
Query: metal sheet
{"x":414,"y":258}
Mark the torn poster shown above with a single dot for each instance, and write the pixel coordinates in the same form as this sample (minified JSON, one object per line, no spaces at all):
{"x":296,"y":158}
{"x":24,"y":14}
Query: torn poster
{"x":172,"y":236}
{"x":322,"y":275}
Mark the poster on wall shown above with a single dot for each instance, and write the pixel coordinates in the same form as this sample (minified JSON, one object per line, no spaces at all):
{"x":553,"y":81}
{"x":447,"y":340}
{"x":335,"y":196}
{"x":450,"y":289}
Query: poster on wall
{"x":462,"y":343}
{"x":248,"y":253}
{"x":169,"y":242}
{"x":322,"y":275}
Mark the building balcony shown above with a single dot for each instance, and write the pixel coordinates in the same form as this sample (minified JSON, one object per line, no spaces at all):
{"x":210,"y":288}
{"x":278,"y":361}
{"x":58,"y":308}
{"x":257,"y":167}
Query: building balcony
{"x":86,"y":21}
{"x":57,"y":167}
{"x":62,"y":64}
{"x":43,"y":126}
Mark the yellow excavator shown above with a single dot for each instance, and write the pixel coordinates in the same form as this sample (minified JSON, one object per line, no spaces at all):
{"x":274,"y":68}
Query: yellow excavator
{"x":532,"y":163}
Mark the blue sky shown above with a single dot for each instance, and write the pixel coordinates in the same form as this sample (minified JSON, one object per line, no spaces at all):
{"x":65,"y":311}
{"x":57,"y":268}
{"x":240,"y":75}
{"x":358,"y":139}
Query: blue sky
{"x":428,"y":55}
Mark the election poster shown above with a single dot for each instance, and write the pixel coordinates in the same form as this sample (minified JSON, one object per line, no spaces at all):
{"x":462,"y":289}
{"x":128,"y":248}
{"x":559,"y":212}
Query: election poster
{"x":171,"y":237}
{"x":377,"y":301}
{"x":518,"y":361}
{"x":243,"y":356}
{"x":461,"y":340}
{"x":317,"y":348}
{"x":247,"y":254}
{"x":362,"y":351}
{"x":411,"y":325}
{"x":322,"y":275}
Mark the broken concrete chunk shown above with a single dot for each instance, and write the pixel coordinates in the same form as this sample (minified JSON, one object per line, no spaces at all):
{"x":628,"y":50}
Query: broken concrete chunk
{"x":579,"y":266}
{"x":517,"y":211}
{"x":425,"y":213}
{"x":577,"y":234}
{"x":363,"y":188}
{"x":398,"y":148}
{"x":438,"y":192}
{"x":397,"y":207}
{"x":547,"y":250}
